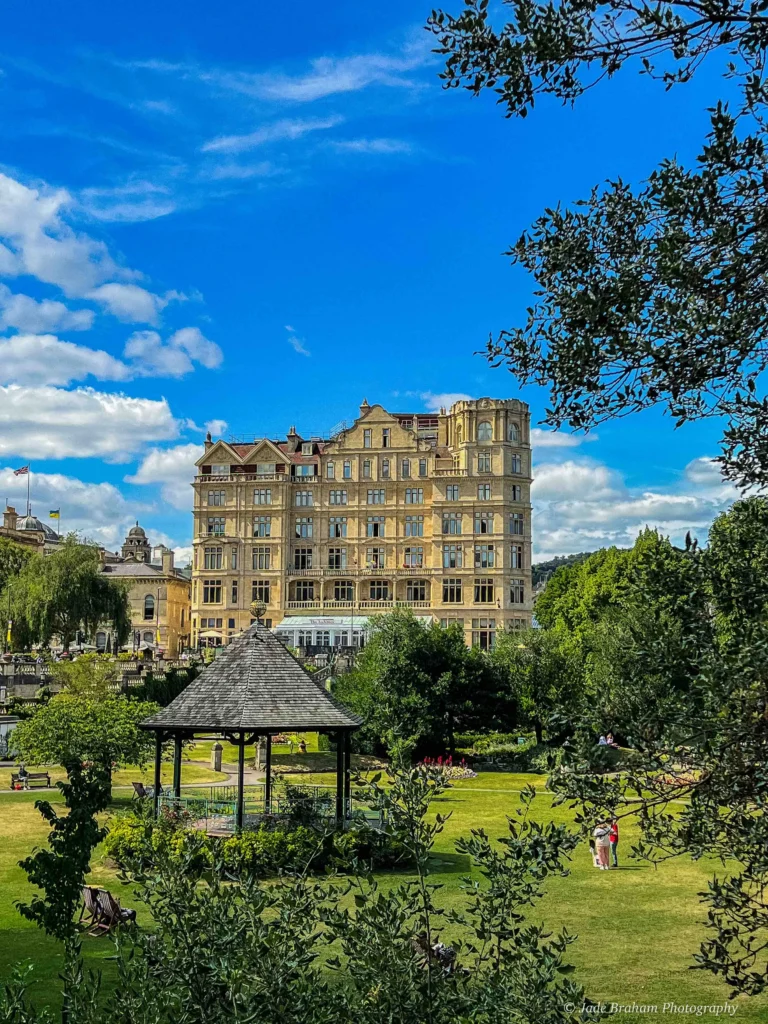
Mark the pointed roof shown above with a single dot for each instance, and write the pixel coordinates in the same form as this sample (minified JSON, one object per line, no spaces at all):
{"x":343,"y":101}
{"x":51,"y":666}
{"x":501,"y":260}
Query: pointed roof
{"x":254,"y":684}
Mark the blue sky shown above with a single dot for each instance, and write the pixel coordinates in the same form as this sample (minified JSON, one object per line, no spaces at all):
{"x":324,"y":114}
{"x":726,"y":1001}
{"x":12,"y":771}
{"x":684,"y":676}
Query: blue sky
{"x":255,"y":215}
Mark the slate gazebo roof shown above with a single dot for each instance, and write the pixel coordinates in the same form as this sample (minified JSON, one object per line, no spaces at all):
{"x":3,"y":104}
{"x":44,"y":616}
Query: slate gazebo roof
{"x":254,"y":685}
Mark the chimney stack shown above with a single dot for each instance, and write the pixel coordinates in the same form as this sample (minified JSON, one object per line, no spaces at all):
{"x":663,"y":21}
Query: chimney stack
{"x":10,"y":518}
{"x":167,"y":562}
{"x":208,"y":441}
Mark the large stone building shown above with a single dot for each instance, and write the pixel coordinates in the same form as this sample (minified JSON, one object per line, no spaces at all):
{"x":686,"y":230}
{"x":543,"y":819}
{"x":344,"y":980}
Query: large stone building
{"x":159,"y":597}
{"x":29,"y":530}
{"x":430,"y":511}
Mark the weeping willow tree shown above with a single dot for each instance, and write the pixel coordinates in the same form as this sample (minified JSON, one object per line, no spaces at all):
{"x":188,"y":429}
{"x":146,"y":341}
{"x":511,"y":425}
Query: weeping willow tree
{"x":56,"y":595}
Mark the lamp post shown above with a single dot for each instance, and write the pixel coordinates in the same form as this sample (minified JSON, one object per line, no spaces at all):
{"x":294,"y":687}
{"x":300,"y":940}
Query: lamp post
{"x":10,"y":623}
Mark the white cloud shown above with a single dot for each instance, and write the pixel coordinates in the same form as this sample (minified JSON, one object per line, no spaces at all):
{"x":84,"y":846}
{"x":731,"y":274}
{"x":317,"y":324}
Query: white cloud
{"x":129,"y":203}
{"x":434,"y":403}
{"x":182,"y":557}
{"x":49,"y":423}
{"x":557,"y":439}
{"x":152,"y":358}
{"x":129,"y":302}
{"x":216,"y":427}
{"x":43,"y":359}
{"x":172,"y":468}
{"x":26,"y":314}
{"x":98,"y":511}
{"x":277,"y":131}
{"x":297,"y":344}
{"x":383,"y":147}
{"x":581,"y":505}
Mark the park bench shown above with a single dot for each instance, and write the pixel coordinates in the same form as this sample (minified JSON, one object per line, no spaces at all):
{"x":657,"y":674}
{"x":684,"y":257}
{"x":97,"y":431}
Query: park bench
{"x":32,"y":779}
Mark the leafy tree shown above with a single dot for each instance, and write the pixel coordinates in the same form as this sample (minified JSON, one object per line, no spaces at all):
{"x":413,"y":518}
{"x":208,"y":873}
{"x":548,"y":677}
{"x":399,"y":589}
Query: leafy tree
{"x":100,"y":729}
{"x":541,"y":571}
{"x":652,"y":295}
{"x":420,"y":683}
{"x":13,"y":558}
{"x":64,"y":592}
{"x":580,"y":594}
{"x":91,"y":675}
{"x":546,"y":677}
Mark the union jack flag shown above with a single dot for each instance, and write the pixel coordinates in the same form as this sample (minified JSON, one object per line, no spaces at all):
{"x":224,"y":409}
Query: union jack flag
{"x":21,"y":472}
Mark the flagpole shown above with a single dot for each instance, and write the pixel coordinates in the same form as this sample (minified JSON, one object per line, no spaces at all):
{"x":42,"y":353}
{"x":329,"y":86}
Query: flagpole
{"x":29,"y":474}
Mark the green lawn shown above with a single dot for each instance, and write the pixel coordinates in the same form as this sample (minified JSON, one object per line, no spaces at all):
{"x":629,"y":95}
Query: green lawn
{"x":637,"y":926}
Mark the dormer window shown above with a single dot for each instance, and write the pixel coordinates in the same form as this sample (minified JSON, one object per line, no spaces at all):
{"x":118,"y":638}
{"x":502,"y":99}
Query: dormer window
{"x":219,"y":469}
{"x":265,"y":468}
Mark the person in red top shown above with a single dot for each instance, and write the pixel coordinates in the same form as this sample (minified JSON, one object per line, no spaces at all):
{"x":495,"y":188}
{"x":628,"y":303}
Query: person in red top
{"x":613,"y":835}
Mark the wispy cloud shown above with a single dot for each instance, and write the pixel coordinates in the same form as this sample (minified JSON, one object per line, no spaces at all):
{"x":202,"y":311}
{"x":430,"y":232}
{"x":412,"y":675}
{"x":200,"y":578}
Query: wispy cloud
{"x":434,"y":403}
{"x":297,"y":344}
{"x":277,"y":131}
{"x":373,"y":146}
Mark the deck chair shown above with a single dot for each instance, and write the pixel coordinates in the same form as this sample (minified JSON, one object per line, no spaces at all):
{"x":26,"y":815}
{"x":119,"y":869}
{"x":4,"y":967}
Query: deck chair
{"x":139,"y":790}
{"x":112,"y":913}
{"x":92,"y":907}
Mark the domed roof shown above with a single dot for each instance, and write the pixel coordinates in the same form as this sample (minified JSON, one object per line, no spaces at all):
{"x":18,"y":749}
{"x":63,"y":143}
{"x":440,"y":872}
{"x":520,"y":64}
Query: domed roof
{"x":136,"y":531}
{"x":33,"y":524}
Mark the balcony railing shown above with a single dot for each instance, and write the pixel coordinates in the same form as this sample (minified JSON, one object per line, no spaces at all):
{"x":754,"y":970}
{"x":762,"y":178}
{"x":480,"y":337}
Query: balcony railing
{"x":453,"y":471}
{"x":303,"y":604}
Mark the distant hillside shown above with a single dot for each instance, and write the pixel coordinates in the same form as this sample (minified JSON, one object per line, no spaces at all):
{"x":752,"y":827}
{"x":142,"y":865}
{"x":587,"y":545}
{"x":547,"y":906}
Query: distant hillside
{"x":543,"y":570}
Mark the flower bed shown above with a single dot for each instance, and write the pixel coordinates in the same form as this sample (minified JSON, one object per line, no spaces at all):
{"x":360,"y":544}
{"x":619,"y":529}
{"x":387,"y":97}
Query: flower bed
{"x":449,"y":770}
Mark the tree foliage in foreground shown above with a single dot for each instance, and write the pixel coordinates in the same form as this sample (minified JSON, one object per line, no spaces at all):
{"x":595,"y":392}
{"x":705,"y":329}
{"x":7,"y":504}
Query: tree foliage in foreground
{"x":301,"y":950}
{"x":649,"y":295}
{"x":693,"y":672}
{"x":66,"y":591}
{"x":13,"y":558}
{"x":421,"y":684}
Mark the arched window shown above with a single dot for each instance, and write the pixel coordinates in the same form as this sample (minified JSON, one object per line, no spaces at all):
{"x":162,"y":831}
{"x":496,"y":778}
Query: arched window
{"x":148,"y":638}
{"x":101,"y":641}
{"x":514,"y":432}
{"x":484,"y":431}
{"x":149,"y":607}
{"x":458,"y":433}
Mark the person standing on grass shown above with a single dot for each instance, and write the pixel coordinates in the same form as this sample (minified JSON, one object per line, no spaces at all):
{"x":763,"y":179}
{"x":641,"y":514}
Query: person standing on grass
{"x":613,"y":836}
{"x":602,"y":842}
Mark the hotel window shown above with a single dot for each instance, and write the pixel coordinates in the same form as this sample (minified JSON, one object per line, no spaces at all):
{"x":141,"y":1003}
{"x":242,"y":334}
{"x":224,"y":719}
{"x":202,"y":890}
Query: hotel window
{"x":414,"y":558}
{"x":343,"y":590}
{"x":302,"y":558}
{"x":405,"y":469}
{"x":516,"y":561}
{"x":262,"y":526}
{"x":211,"y":592}
{"x":304,"y":590}
{"x":337,"y":558}
{"x":385,"y":469}
{"x":366,"y":469}
{"x":230,"y":623}
{"x":375,"y":558}
{"x":233,"y":558}
{"x":378,"y":590}
{"x":416,"y":590}
{"x":260,"y":591}
{"x":375,"y":526}
{"x":414,"y":496}
{"x":517,"y":523}
{"x":483,"y":492}
{"x":149,"y":607}
{"x":484,"y":556}
{"x":264,"y":468}
{"x":484,"y":431}
{"x":213,"y":558}
{"x":483,"y":462}
{"x":216,"y":526}
{"x":484,"y":633}
{"x":234,"y":592}
{"x":452,"y":556}
{"x":220,"y":469}
{"x":261,"y":558}
{"x":516,"y":591}
{"x":347,"y":469}
{"x":483,"y":522}
{"x":262,"y":496}
{"x":385,"y":437}
{"x":452,"y":492}
{"x":305,"y":638}
{"x":414,"y":526}
{"x":452,"y":591}
{"x":306,"y":448}
{"x":330,"y":470}
{"x":337,"y":526}
{"x":517,"y":492}
{"x":483,"y":591}
{"x":514,"y":432}
{"x":376,"y":497}
{"x":217,"y":497}
{"x":337,"y":497}
{"x":303,"y":527}
{"x":367,"y":437}
{"x":422,"y":467}
{"x":517,"y":464}
{"x":452,"y":522}
{"x":304,"y":498}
